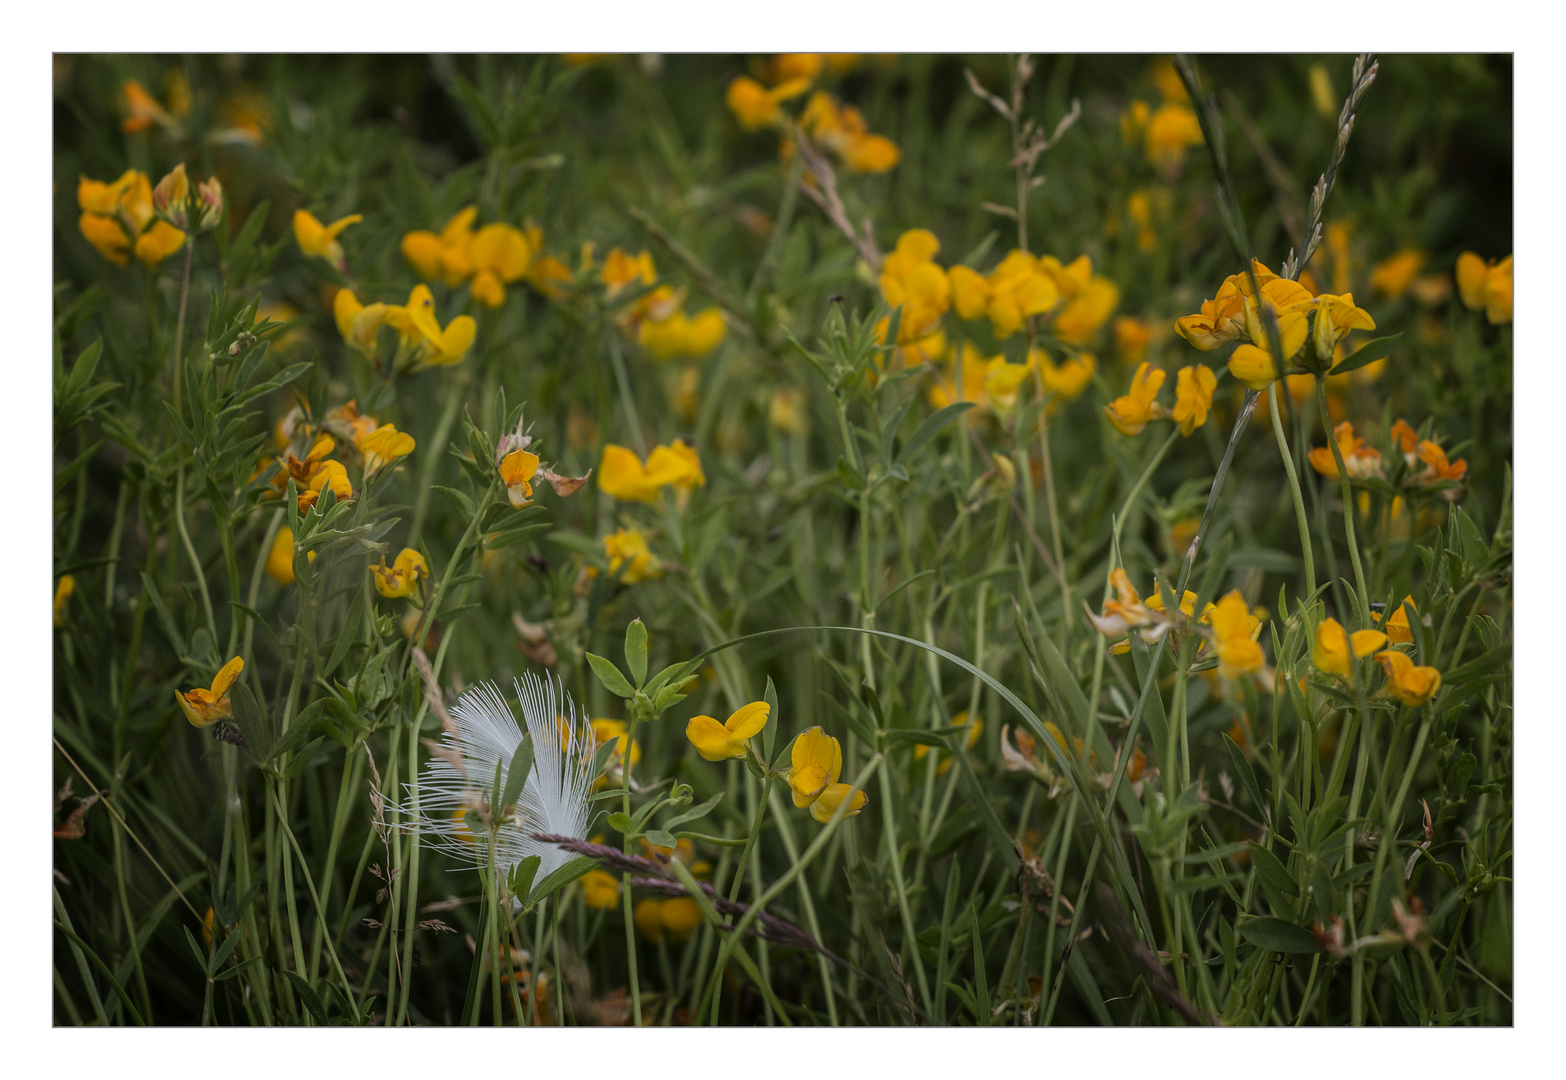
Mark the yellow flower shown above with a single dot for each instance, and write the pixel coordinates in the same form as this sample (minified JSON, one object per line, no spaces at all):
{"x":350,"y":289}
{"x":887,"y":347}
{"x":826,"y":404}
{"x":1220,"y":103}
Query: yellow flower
{"x":648,"y":917}
{"x":500,"y":255}
{"x":621,"y":269}
{"x":787,"y":410}
{"x":675,"y":918}
{"x":1193,"y":396}
{"x":320,"y":240}
{"x":1080,"y":319}
{"x":1067,"y":379}
{"x":1392,"y":276}
{"x":605,"y":731}
{"x":142,"y":110}
{"x":1132,"y":337}
{"x":328,"y":474}
{"x":975,"y":372}
{"x":403,"y":578}
{"x":1397,"y":629}
{"x":962,"y":719}
{"x":62,"y":594}
{"x":1360,"y":459}
{"x":1171,"y":130}
{"x":1019,"y":290}
{"x":280,"y":560}
{"x":205,"y":707}
{"x":358,"y":323}
{"x":1235,"y":631}
{"x":383,"y":446}
{"x":516,"y":472}
{"x":171,"y":198}
{"x":1331,"y":650}
{"x":1335,"y":317}
{"x":842,"y":129}
{"x":1135,"y":410}
{"x":754,"y":106}
{"x":1486,"y":285}
{"x":787,"y":66}
{"x":680,"y":335}
{"x":627,"y":549}
{"x":445,"y":256}
{"x":1125,"y":611}
{"x":600,"y":889}
{"x":911,"y":280}
{"x":817,"y":763}
{"x":118,"y":219}
{"x":1002,"y":383}
{"x":416,"y":324}
{"x":717,"y":742}
{"x":622,"y":474}
{"x":1254,"y":365}
{"x":1437,"y":468}
{"x":1410,"y":684}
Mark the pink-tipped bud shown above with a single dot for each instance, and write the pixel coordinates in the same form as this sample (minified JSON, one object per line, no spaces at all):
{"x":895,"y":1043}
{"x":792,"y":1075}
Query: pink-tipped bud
{"x":171,"y":198}
{"x":209,"y":204}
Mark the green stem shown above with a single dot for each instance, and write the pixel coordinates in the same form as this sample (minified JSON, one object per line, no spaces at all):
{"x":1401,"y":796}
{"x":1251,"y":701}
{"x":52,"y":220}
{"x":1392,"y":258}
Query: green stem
{"x":1294,"y":491}
{"x":1348,"y":495}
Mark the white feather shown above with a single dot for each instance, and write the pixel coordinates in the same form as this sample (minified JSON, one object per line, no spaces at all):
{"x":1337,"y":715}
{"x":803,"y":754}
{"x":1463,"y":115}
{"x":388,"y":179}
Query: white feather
{"x":554,"y":796}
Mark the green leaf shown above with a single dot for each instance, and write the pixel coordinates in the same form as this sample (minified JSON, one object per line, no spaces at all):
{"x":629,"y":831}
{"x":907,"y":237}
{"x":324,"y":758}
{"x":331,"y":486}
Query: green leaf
{"x":1274,"y":877}
{"x":694,"y":813}
{"x":516,"y":775}
{"x":301,"y":760}
{"x":1247,"y":776}
{"x":636,"y":651}
{"x":1276,"y":935}
{"x":253,"y":724}
{"x":562,"y":877}
{"x":610,"y":676}
{"x":308,"y":996}
{"x":769,"y":732}
{"x":1368,"y":353}
{"x":522,"y":875}
{"x":931,"y":428}
{"x":661,"y":838}
{"x":620,"y":823}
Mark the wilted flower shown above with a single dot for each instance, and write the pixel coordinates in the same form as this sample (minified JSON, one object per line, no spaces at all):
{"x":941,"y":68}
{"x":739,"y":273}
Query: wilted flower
{"x":206,"y":707}
{"x":1360,"y":459}
{"x":717,"y":742}
{"x":460,"y":779}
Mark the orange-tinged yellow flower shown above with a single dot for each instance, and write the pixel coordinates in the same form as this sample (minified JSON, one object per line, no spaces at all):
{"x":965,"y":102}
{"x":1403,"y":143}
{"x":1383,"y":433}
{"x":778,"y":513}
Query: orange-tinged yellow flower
{"x":843,"y":130}
{"x":1437,"y":467}
{"x":1125,"y":611}
{"x":516,"y":472}
{"x":402,"y":578}
{"x":383,"y":446}
{"x":621,"y":269}
{"x":142,"y":110}
{"x":1406,"y":438}
{"x":1392,"y":276}
{"x":105,"y":234}
{"x":1486,"y":286}
{"x":206,"y":707}
{"x":1235,"y":631}
{"x":1409,"y":683}
{"x":1133,"y":411}
{"x":1330,"y":653}
{"x":1194,"y":387}
{"x":62,"y":594}
{"x":756,"y":107}
{"x":600,"y":889}
{"x":320,"y":241}
{"x":1132,"y":337}
{"x":974,"y":728}
{"x":1360,"y":459}
{"x":630,"y":559}
{"x":158,"y":243}
{"x":328,"y":475}
{"x":718,"y":742}
{"x":1396,"y":626}
{"x":786,"y":66}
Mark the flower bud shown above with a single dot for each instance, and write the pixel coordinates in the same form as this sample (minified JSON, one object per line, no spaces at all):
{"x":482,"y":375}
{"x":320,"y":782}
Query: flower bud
{"x":209,"y":204}
{"x":171,"y":198}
